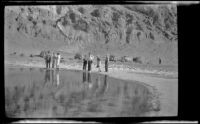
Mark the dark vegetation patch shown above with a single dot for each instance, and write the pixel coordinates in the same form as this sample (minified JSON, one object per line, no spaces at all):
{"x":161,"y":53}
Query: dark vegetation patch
{"x":115,"y":19}
{"x":137,"y":60}
{"x":129,"y":19}
{"x":159,"y":60}
{"x":138,"y":26}
{"x":81,"y":25}
{"x":65,"y":21}
{"x":58,"y":9}
{"x":128,"y":32}
{"x":112,"y":58}
{"x":95,"y":13}
{"x":151,"y":36}
{"x":14,"y":53}
{"x":81,"y":10}
{"x":138,"y":35}
{"x":22,"y":55}
{"x":72,"y":16}
{"x":78,"y":56}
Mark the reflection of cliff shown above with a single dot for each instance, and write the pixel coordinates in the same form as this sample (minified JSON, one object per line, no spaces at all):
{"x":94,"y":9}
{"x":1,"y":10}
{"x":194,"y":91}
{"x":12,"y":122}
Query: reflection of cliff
{"x":106,"y":96}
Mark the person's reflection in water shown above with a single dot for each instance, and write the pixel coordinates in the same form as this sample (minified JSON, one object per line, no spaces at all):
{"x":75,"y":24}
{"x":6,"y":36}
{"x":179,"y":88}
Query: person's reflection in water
{"x":97,"y":84}
{"x":52,"y":76}
{"x":105,"y":86}
{"x":102,"y":87}
{"x":89,"y":80}
{"x":41,"y":70}
{"x":47,"y":76}
{"x":57,"y":78}
{"x":84,"y":76}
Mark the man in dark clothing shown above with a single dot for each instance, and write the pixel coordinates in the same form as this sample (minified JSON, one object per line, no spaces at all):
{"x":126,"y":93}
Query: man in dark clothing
{"x":84,"y":63}
{"x":48,"y":59}
{"x":106,"y":63}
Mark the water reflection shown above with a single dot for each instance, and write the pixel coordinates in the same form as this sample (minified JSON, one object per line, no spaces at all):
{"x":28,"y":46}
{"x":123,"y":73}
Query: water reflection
{"x":89,"y":77}
{"x":80,"y":94}
{"x":57,"y":77}
{"x":21,"y":69}
{"x":84,"y":76}
{"x":52,"y":77}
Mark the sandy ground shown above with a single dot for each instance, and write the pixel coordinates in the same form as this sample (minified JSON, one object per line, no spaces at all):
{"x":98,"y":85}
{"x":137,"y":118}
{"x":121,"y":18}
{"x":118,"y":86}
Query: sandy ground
{"x":166,"y":83}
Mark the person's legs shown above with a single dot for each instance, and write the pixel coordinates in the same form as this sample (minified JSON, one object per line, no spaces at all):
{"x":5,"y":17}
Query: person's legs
{"x":106,"y":67}
{"x":84,"y":66}
{"x":49,"y":64}
{"x":57,"y":65}
{"x":88,"y":65}
{"x":46,"y":63}
{"x":52,"y":63}
{"x":91,"y":66}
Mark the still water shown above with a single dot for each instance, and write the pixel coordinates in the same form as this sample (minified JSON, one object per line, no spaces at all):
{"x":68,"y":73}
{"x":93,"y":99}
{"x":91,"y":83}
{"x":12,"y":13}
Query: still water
{"x":41,"y":93}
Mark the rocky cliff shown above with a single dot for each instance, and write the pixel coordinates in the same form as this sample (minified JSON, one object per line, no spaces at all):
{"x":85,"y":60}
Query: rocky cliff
{"x":149,"y":32}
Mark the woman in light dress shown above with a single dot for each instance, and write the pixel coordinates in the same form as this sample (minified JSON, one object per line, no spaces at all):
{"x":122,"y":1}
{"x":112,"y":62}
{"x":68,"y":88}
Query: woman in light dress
{"x":58,"y":60}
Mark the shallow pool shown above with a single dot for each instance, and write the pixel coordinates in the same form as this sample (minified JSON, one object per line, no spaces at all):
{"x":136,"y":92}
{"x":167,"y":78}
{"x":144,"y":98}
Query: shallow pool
{"x":41,"y":93}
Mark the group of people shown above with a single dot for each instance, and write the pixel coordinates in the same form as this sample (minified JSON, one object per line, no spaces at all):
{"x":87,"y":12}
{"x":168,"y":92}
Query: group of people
{"x":87,"y":62}
{"x":52,"y":60}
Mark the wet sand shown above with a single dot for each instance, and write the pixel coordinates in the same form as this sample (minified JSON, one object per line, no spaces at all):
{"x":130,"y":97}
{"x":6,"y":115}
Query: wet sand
{"x":168,"y":89}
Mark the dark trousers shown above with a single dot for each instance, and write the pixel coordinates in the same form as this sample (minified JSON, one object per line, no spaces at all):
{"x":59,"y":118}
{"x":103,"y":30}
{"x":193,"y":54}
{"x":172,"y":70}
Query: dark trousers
{"x":106,"y":67}
{"x":89,"y":65}
{"x":49,"y":63}
{"x":84,"y":65}
{"x":46,"y":62}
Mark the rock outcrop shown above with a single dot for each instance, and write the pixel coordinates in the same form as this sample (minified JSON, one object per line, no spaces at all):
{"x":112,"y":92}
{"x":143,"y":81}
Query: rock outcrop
{"x":149,"y":32}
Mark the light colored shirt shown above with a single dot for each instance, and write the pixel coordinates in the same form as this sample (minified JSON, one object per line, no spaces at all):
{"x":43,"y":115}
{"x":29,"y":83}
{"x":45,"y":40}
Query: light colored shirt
{"x":58,"y":59}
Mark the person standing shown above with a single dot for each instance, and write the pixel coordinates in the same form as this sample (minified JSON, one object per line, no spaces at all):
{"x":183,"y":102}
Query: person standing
{"x":48,"y":59}
{"x":90,"y":58}
{"x":84,"y":62}
{"x":106,"y":63}
{"x":58,"y":60}
{"x":53,"y":60}
{"x":99,"y":63}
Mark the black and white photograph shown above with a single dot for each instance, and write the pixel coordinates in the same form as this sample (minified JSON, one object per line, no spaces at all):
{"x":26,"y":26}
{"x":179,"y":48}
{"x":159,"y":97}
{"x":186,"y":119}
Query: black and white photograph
{"x":91,"y":61}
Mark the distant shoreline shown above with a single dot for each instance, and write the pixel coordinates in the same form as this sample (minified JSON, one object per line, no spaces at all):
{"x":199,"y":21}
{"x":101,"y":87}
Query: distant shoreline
{"x":112,"y":68}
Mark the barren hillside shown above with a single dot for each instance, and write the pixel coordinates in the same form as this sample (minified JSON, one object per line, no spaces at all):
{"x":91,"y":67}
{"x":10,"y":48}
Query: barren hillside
{"x":149,"y":32}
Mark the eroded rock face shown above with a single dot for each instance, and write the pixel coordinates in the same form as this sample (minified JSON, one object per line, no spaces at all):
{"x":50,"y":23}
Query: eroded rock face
{"x":128,"y":29}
